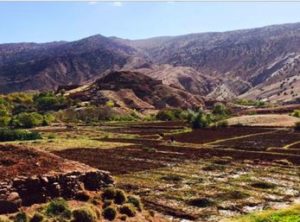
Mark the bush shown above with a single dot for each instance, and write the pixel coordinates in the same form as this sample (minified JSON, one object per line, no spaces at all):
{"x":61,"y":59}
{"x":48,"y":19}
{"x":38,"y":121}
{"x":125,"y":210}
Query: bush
{"x":12,"y":135}
{"x":256,"y":103}
{"x":58,"y":207}
{"x":48,"y":118}
{"x":28,"y":120}
{"x":263,"y":185}
{"x":21,"y":217}
{"x":84,"y":215}
{"x":220,"y":109}
{"x":171,"y":115}
{"x":109,"y":213}
{"x":201,"y":202}
{"x":110,"y":103}
{"x":296,"y":113}
{"x":50,"y":102}
{"x":135,"y":201}
{"x":108,"y":193}
{"x":37,"y":217}
{"x":82,"y":196}
{"x":201,"y":120}
{"x":120,"y":197}
{"x":4,"y":121}
{"x":128,"y":209}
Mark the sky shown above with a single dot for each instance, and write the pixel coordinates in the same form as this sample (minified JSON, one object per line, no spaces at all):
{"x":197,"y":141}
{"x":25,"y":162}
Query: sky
{"x":55,"y":21}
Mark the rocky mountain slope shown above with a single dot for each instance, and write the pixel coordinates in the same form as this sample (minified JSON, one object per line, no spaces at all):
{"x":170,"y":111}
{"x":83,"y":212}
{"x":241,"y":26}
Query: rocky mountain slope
{"x":255,"y":63}
{"x":29,"y":66}
{"x":135,"y":91}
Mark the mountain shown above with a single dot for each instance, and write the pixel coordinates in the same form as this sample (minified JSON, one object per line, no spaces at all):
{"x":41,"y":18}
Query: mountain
{"x":135,"y":91}
{"x":30,"y":66}
{"x":246,"y":60}
{"x":260,"y":63}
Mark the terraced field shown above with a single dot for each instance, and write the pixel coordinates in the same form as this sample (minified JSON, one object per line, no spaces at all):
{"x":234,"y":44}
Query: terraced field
{"x":201,"y":175}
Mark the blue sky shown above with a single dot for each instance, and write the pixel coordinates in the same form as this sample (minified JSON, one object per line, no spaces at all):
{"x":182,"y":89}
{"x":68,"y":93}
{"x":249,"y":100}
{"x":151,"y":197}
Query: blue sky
{"x":53,"y":21}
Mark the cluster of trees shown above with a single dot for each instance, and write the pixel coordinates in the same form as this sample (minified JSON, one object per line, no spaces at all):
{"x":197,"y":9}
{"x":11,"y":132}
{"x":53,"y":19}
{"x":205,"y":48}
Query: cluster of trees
{"x":18,"y":134}
{"x":249,"y":102}
{"x":28,"y":110}
{"x":92,"y":114}
{"x":197,"y":118}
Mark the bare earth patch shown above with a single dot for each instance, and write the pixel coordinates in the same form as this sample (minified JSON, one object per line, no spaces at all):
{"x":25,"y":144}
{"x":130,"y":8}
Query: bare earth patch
{"x":271,"y":120}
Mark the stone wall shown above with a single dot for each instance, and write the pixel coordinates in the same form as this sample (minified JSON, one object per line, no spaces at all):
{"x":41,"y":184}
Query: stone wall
{"x":25,"y":191}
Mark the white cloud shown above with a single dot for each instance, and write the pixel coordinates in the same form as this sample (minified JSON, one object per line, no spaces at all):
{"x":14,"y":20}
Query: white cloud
{"x":118,"y":4}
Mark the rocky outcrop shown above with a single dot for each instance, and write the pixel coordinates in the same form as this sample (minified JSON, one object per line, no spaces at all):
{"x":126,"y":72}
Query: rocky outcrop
{"x":25,"y":191}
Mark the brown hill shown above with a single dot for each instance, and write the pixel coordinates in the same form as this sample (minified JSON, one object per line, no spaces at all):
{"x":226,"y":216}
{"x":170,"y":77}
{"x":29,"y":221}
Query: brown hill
{"x":136,"y":91}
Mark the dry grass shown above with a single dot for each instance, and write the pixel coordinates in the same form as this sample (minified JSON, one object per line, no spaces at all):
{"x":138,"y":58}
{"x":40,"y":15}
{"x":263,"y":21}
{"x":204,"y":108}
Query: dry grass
{"x":63,"y":144}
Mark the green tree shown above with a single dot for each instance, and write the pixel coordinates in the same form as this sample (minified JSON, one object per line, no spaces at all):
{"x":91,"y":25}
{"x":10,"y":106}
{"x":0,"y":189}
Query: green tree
{"x":220,"y":109}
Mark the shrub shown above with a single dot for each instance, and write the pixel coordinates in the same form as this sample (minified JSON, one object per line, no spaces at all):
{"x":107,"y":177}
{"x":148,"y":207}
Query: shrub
{"x":296,"y":113}
{"x":11,"y":135}
{"x":82,"y":196}
{"x":48,"y":118}
{"x":201,"y":202}
{"x":49,"y":102}
{"x":256,"y":103}
{"x":4,"y":121}
{"x":220,"y":109}
{"x":28,"y":120}
{"x":263,"y":185}
{"x":135,"y":201}
{"x":37,"y":217}
{"x":108,"y":193}
{"x":201,"y":120}
{"x":109,"y":213}
{"x":21,"y":217}
{"x":84,"y":215}
{"x":110,"y":103}
{"x":171,"y":114}
{"x":128,"y":209}
{"x":120,"y":197}
{"x":58,"y":207}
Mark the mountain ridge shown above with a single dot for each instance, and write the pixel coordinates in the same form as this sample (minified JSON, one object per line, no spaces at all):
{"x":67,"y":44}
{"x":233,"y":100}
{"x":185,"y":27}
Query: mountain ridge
{"x":242,"y":63}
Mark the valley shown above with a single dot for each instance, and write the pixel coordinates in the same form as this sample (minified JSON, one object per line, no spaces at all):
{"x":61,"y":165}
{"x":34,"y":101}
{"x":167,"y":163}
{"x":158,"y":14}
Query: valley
{"x":199,"y":175}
